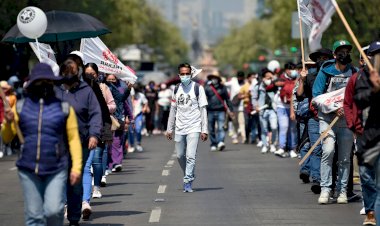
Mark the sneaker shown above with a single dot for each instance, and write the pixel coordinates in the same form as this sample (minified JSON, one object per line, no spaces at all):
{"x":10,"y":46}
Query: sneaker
{"x":1,"y":154}
{"x":139,"y":148}
{"x":316,"y":188}
{"x":279,"y":152}
{"x":117,"y":168}
{"x":285,"y":155}
{"x":65,"y":211}
{"x":221,"y":146}
{"x":96,"y":194}
{"x":352,"y":197}
{"x":131,"y":149}
{"x":324,"y":197}
{"x":293,"y":154}
{"x":107,"y":172}
{"x":86,"y":210}
{"x":260,"y":144}
{"x":235,"y":141}
{"x":187,"y":187}
{"x":103,"y":182}
{"x":342,"y":198}
{"x":74,"y":223}
{"x":264,"y":150}
{"x":272,"y":148}
{"x":362,"y":211}
{"x":305,"y":177}
{"x":370,"y":219}
{"x":213,"y":148}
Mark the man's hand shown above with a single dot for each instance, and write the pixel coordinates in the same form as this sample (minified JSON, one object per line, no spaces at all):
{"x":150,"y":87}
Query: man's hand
{"x":204,"y":136}
{"x":340,"y":112}
{"x":9,"y":115}
{"x":169,"y":135}
{"x":375,"y":80}
{"x":75,"y":178}
{"x":292,"y":116}
{"x":303,"y":74}
{"x":231,"y":114}
{"x":92,"y":142}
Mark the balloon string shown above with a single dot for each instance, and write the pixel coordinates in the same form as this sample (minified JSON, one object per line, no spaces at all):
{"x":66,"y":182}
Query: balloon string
{"x":38,"y":50}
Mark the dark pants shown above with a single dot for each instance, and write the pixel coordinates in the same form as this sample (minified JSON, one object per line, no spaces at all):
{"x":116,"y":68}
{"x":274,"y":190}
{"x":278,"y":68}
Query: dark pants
{"x":164,"y":116}
{"x":75,"y":192}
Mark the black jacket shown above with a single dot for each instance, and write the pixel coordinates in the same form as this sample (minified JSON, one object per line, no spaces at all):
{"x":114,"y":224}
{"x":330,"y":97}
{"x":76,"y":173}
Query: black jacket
{"x":214,"y":104}
{"x":365,"y":97}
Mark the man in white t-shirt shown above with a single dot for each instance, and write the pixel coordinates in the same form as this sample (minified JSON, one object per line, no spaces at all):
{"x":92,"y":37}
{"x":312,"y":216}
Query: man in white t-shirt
{"x":188,"y":118}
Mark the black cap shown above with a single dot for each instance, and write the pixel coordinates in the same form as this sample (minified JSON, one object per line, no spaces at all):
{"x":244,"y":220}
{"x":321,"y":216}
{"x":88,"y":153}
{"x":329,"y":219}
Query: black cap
{"x":374,"y":48}
{"x":324,"y":51}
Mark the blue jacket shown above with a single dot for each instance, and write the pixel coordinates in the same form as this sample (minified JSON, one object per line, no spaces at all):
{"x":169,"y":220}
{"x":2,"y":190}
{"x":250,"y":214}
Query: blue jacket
{"x":87,"y":109}
{"x":43,"y":125}
{"x":330,"y":79}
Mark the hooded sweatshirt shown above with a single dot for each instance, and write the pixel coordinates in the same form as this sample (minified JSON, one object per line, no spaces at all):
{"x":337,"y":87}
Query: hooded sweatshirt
{"x":330,"y":79}
{"x":86,"y":107}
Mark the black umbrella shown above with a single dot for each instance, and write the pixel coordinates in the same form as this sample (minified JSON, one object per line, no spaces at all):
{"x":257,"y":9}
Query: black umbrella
{"x":62,"y":26}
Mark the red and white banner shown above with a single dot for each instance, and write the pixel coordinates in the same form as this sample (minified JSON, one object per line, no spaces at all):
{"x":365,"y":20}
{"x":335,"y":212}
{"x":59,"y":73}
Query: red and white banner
{"x":330,"y":102}
{"x":45,"y":54}
{"x":95,"y":51}
{"x":317,"y":13}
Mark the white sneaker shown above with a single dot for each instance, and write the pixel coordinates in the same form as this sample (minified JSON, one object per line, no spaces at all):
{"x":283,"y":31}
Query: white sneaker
{"x":213,"y":148}
{"x":324,"y":197}
{"x":108,"y":172}
{"x":280,"y":152}
{"x":260,"y":144}
{"x":362,"y":211}
{"x":221,"y":146}
{"x":96,"y":194}
{"x":103,"y":182}
{"x":131,"y":149}
{"x":293,"y":154}
{"x":86,"y":210}
{"x":342,"y":198}
{"x":264,"y":150}
{"x":139,"y":148}
{"x":1,"y":154}
{"x":117,"y":168}
{"x":272,"y":148}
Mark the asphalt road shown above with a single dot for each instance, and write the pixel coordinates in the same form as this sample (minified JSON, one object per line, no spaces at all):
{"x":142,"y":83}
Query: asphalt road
{"x":238,"y":186}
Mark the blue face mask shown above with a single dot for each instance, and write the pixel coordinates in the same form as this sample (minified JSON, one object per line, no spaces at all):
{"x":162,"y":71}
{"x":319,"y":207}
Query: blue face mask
{"x":293,"y":74}
{"x":185,"y":79}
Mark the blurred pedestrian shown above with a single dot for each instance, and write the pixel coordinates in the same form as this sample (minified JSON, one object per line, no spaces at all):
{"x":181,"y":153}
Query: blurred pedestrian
{"x":50,"y":129}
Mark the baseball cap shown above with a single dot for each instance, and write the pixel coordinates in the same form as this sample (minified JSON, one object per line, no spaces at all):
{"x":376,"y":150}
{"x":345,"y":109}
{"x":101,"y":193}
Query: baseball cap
{"x":341,"y":43}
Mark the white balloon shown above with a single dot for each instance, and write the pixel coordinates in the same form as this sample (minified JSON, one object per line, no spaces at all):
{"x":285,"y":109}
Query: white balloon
{"x":273,"y":65}
{"x":32,"y":22}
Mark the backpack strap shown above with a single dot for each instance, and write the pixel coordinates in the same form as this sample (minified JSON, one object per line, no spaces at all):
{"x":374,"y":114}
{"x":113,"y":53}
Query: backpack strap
{"x":65,"y":108}
{"x":196,"y":89}
{"x":176,"y":88}
{"x":19,"y":105}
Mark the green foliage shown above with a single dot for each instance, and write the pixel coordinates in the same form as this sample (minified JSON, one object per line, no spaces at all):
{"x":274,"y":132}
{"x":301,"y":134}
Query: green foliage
{"x":274,"y":31}
{"x":131,"y":22}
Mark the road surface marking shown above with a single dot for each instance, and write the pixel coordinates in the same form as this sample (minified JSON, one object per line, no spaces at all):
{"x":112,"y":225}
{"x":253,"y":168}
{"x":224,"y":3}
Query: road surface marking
{"x":165,"y":172}
{"x":155,"y":215}
{"x":170,"y":163}
{"x":161,"y":189}
{"x":13,"y":168}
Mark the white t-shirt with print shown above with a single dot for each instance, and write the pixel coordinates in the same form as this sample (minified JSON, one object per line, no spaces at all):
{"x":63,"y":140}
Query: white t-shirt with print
{"x":139,"y":100}
{"x":188,"y":116}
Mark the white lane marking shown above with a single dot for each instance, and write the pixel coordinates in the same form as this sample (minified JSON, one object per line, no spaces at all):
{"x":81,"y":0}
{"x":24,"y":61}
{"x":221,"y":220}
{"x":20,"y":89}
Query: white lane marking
{"x":170,"y":162}
{"x":155,"y":215}
{"x":161,"y":189}
{"x":13,"y":168}
{"x":165,"y":172}
{"x":166,"y":166}
{"x":174,"y":155}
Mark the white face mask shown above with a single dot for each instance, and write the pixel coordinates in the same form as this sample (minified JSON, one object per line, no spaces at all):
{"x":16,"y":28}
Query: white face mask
{"x":267,"y":82}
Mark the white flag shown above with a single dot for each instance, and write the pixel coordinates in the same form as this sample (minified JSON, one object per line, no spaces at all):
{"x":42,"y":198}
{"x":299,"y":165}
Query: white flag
{"x":45,"y":55}
{"x":195,"y":71}
{"x":322,"y":11}
{"x":95,"y":51}
{"x":305,"y":13}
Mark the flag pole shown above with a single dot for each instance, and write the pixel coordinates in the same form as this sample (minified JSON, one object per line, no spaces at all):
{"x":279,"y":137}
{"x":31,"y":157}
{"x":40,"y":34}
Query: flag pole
{"x":301,"y":36}
{"x":353,"y":37}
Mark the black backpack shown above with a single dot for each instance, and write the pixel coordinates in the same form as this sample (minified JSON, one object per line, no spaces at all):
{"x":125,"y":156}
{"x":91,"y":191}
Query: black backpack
{"x":196,"y":89}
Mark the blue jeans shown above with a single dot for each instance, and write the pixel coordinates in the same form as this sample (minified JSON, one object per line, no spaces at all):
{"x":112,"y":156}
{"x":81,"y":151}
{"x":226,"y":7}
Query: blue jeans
{"x":137,"y":130}
{"x":287,"y":129}
{"x":44,"y":198}
{"x":368,"y":183}
{"x":271,"y":117}
{"x":345,"y":140}
{"x":95,"y":160}
{"x":186,"y":148}
{"x":313,"y":163}
{"x":305,"y":167}
{"x":216,"y":117}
